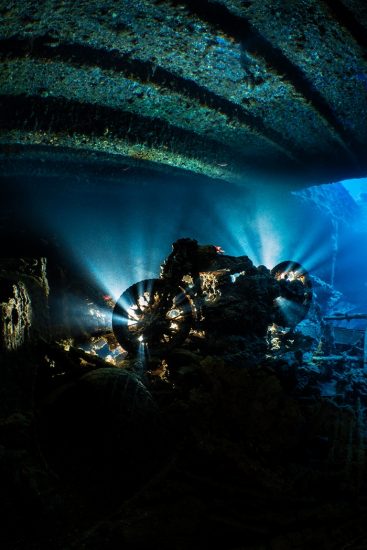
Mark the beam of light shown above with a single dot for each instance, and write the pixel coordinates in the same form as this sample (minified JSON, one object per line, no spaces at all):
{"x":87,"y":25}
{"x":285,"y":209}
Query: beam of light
{"x":270,"y":241}
{"x":113,"y":271}
{"x":235,"y":234}
{"x":76,"y":311}
{"x":290,"y":310}
{"x":268,"y":228}
{"x":317,"y":260}
{"x":128,"y":320}
{"x":123,"y":233}
{"x":311,"y":249}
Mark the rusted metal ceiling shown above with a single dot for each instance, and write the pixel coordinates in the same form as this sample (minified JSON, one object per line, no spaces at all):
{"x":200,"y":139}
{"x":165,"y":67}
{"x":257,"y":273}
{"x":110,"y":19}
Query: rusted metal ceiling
{"x":228,"y":89}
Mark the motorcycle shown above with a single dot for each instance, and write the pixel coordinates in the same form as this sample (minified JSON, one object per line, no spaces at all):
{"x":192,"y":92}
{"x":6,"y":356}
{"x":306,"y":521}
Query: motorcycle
{"x":202,"y":290}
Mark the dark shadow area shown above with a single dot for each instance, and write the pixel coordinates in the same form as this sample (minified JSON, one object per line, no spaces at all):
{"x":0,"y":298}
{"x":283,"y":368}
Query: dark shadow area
{"x":248,"y":432}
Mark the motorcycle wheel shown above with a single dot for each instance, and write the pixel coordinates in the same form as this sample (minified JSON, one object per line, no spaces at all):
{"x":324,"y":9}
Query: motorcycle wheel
{"x":295,"y":293}
{"x":151,"y":318}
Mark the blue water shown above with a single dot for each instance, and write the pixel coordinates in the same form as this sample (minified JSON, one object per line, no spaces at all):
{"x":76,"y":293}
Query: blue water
{"x":120,"y":233}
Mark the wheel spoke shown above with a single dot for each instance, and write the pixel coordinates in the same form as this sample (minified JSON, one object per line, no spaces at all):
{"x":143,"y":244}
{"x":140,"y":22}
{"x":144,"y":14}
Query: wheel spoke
{"x":157,"y":317}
